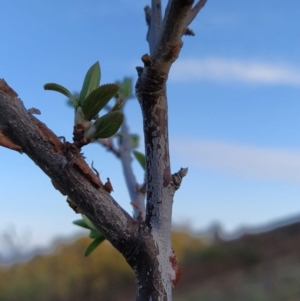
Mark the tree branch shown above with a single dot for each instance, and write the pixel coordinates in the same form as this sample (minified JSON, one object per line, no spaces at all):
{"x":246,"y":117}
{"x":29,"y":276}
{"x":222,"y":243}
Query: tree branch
{"x":151,"y":93}
{"x":108,"y":144}
{"x":68,"y":171}
{"x":194,"y":11}
{"x":156,"y":67}
{"x":137,"y":198}
{"x":161,"y":185}
{"x":177,"y":177}
{"x":154,"y":20}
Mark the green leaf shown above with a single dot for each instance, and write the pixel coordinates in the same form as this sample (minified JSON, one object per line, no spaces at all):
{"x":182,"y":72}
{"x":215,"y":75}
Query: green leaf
{"x":91,"y":82}
{"x":60,"y":89}
{"x":81,"y":223}
{"x":141,"y":158}
{"x":126,"y":88}
{"x":107,"y":125}
{"x":95,"y":234}
{"x":97,"y":99}
{"x":88,"y":222}
{"x":134,"y":140}
{"x":93,"y":245}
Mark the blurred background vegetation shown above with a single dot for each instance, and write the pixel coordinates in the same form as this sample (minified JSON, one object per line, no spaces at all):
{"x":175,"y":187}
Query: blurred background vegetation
{"x":264,"y":266}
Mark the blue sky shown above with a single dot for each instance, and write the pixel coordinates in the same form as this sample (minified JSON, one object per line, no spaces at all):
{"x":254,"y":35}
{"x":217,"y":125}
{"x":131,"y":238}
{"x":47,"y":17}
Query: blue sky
{"x":233,"y":100}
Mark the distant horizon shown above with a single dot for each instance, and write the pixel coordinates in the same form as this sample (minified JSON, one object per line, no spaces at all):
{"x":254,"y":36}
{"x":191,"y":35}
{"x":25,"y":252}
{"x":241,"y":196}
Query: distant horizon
{"x":206,"y":235}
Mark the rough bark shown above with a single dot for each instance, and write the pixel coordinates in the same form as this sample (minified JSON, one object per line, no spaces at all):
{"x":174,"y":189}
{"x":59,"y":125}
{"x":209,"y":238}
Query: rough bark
{"x":165,"y":43}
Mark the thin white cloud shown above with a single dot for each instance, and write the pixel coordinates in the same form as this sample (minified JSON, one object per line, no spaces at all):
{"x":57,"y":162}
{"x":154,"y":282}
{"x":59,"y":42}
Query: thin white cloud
{"x":229,"y":70}
{"x":250,"y":161}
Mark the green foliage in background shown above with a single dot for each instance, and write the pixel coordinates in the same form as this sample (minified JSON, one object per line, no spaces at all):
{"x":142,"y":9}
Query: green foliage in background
{"x":248,"y":269}
{"x":65,"y":275}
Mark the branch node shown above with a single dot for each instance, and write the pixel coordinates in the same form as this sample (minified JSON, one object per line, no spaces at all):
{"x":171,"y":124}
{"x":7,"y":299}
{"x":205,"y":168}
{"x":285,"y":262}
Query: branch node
{"x":107,"y":186}
{"x":177,"y":177}
{"x":188,"y":32}
{"x":148,"y":12}
{"x":75,"y":158}
{"x":34,"y":111}
{"x":79,"y":136}
{"x":147,"y":60}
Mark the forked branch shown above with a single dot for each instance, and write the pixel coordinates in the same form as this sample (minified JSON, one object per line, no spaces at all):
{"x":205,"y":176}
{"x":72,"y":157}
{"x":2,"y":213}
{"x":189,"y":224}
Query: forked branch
{"x":194,"y":11}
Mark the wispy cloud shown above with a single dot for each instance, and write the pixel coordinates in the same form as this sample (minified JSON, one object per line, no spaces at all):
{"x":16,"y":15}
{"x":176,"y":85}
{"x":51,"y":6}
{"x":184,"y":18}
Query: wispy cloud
{"x":250,"y":161}
{"x":228,"y":70}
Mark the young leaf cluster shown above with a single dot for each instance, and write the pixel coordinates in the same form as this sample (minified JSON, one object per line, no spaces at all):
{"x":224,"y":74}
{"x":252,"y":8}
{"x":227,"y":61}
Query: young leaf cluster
{"x":95,"y":234}
{"x":87,"y":104}
{"x":92,"y":98}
